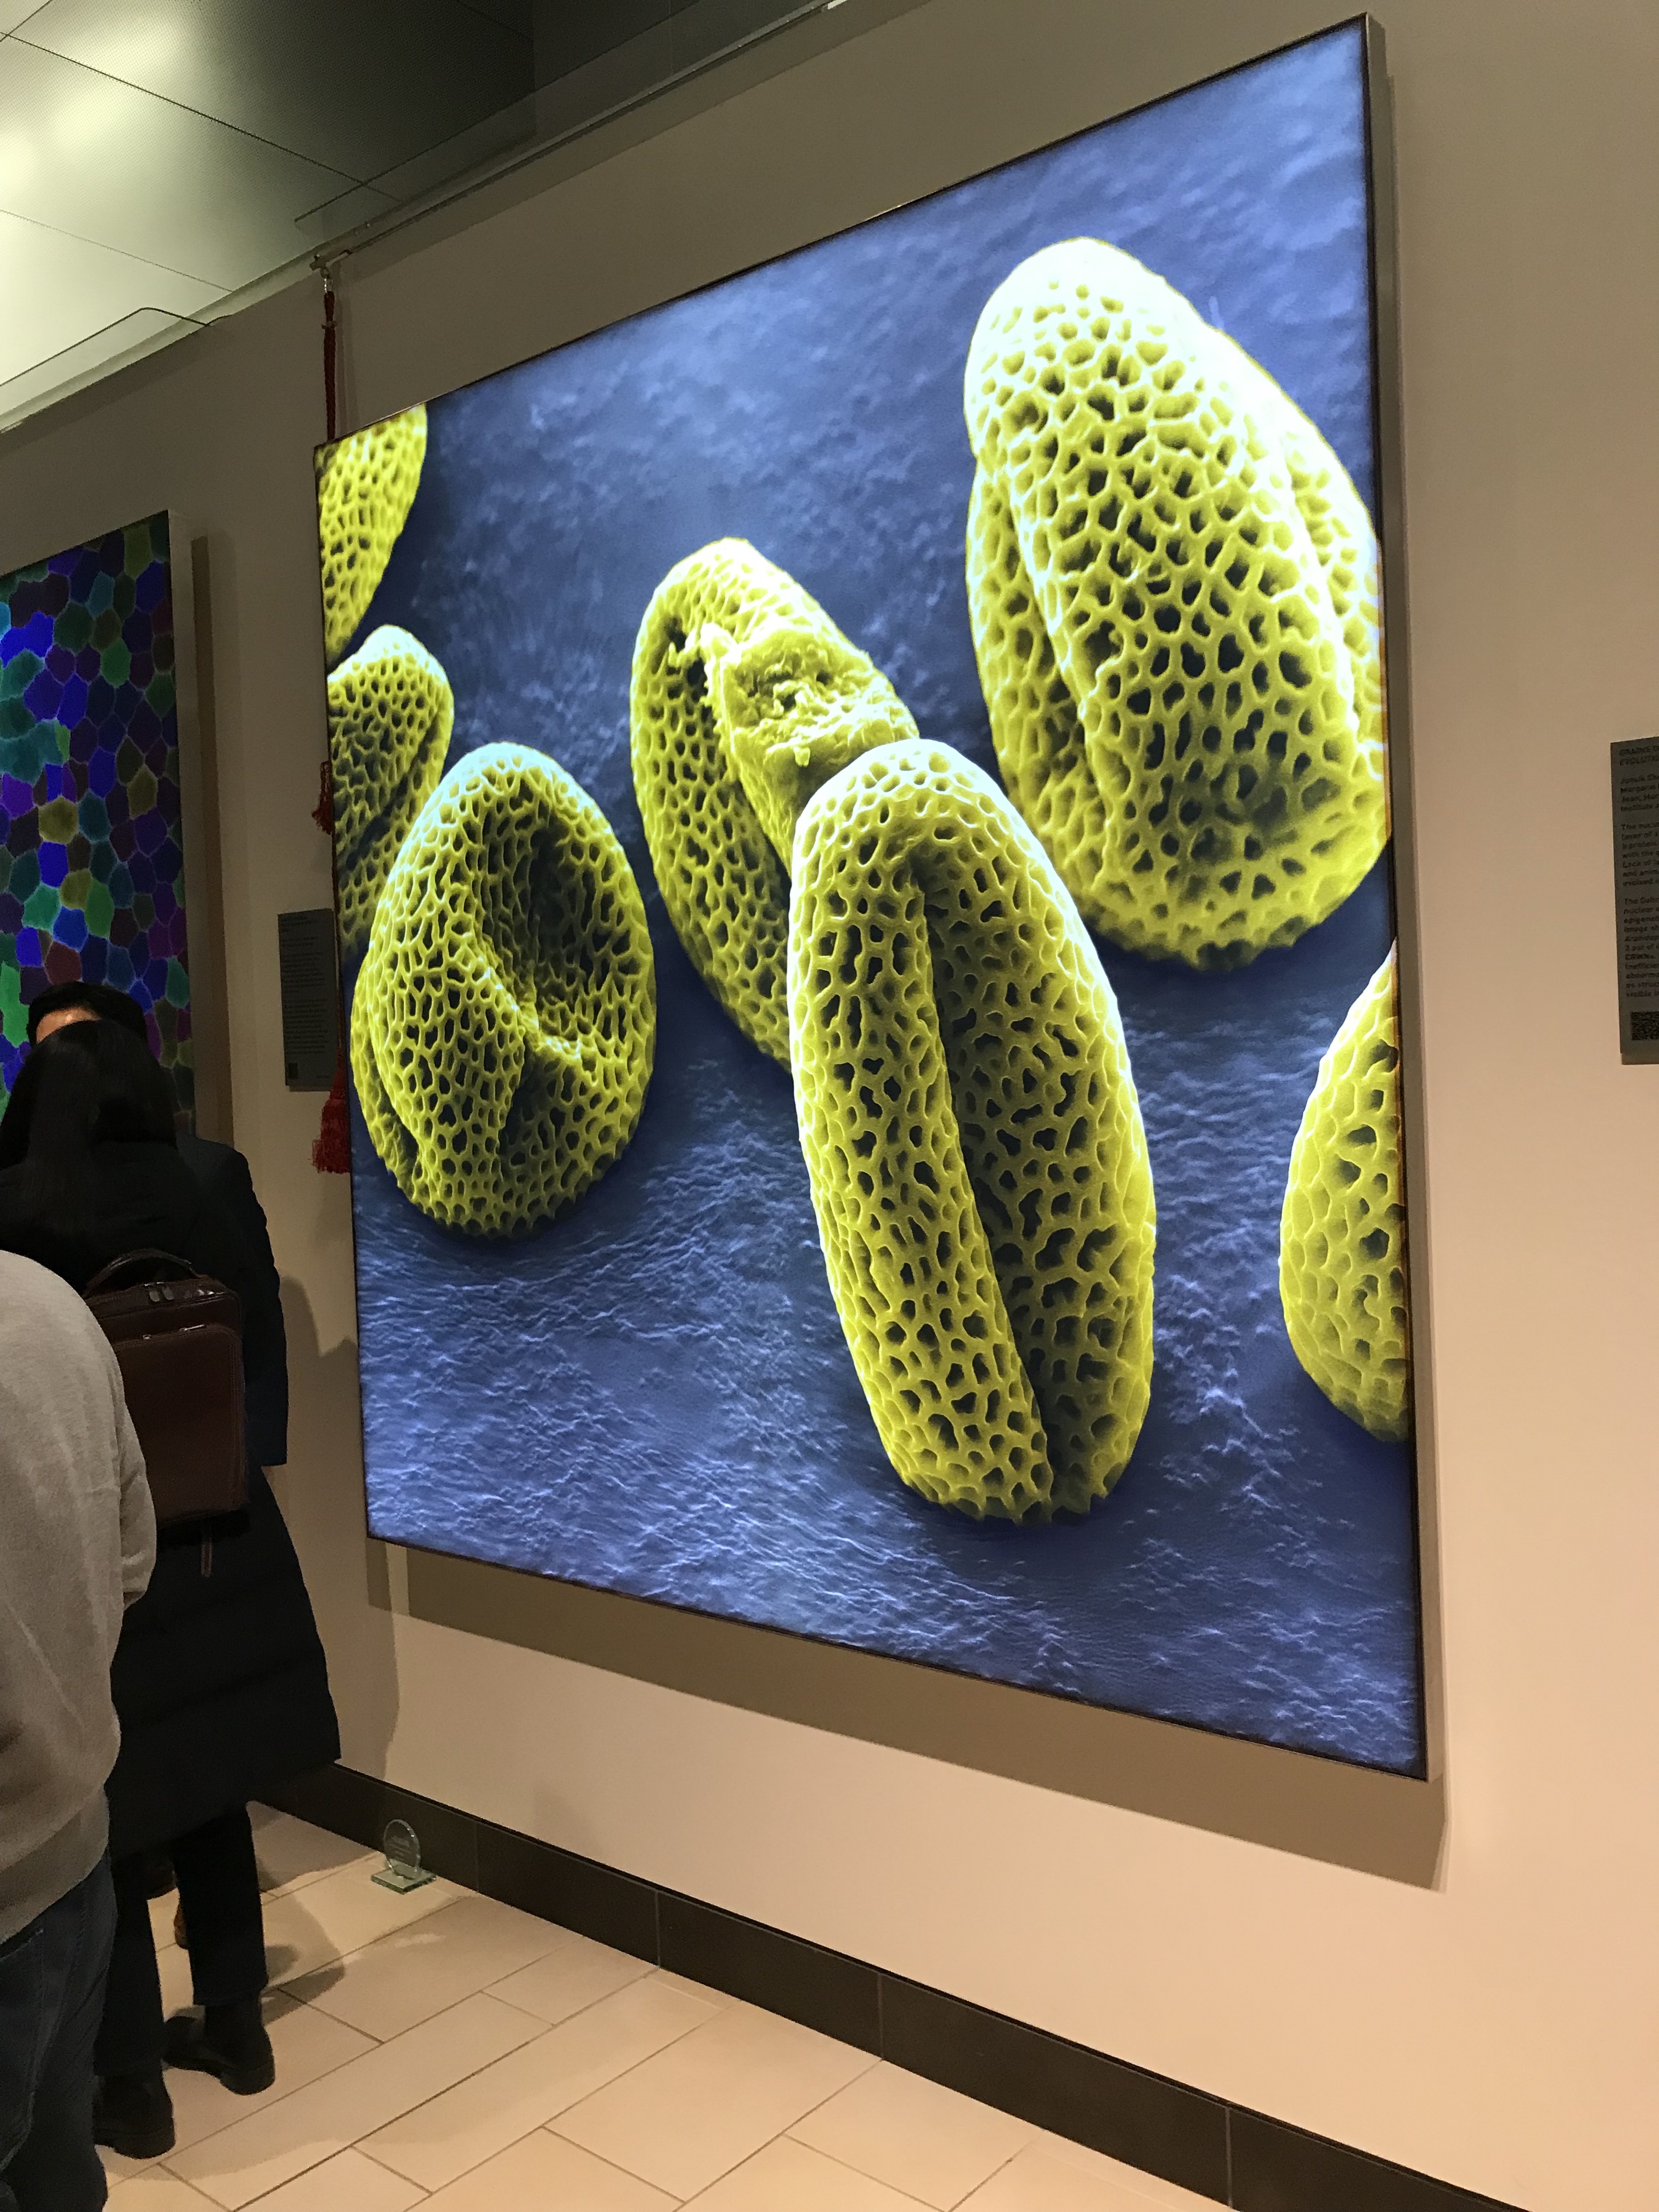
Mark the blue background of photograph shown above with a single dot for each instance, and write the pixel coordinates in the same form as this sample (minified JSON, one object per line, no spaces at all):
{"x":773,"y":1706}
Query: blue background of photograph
{"x":654,"y":1396}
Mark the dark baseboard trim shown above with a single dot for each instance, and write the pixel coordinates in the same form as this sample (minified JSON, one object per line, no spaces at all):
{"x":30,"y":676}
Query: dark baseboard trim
{"x":1225,"y":2152}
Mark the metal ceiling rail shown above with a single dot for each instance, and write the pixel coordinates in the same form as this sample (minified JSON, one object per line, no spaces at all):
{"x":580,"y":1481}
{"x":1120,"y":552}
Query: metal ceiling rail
{"x":375,"y":228}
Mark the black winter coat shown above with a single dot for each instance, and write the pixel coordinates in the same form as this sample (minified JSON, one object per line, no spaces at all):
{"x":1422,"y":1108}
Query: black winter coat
{"x":220,"y":1682}
{"x":223,"y":1174}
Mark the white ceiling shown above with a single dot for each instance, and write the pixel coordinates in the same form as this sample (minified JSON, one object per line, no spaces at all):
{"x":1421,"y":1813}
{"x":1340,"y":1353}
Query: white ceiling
{"x":156,"y":156}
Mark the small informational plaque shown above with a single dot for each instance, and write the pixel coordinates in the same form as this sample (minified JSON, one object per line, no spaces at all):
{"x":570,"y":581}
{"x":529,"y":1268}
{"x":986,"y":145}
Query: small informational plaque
{"x":311,"y":1035}
{"x":1635,"y":892}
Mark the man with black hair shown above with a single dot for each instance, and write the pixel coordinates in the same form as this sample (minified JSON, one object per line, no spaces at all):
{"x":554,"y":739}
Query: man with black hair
{"x":221,"y":1171}
{"x":60,"y":1003}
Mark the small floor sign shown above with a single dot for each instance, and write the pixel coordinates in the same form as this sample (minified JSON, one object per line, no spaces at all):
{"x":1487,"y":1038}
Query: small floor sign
{"x":403,"y":1869}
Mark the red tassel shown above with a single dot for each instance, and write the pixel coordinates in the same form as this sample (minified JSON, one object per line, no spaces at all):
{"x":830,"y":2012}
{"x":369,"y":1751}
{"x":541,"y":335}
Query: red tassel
{"x":329,"y":379}
{"x":331,"y":1153}
{"x":323,"y":812}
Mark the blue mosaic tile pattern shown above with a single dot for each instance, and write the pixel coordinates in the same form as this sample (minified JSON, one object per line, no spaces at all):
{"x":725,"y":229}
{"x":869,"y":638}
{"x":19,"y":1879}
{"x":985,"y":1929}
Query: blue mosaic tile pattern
{"x":91,"y":872}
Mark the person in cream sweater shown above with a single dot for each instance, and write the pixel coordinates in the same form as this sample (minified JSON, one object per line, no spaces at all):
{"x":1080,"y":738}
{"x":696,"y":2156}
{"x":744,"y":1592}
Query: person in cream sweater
{"x":77,"y":1542}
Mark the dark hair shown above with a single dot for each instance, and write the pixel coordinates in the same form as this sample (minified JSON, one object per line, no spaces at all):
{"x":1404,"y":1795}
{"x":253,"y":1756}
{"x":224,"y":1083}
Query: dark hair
{"x":101,"y":1001}
{"x":91,"y":1084}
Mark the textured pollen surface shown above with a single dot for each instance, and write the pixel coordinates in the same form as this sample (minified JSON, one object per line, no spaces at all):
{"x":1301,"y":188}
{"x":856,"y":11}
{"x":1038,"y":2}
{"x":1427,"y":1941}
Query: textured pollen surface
{"x":505,"y":1015}
{"x":745,"y":698}
{"x":973,"y":1139}
{"x":1342,"y":1237}
{"x":366,"y":485}
{"x":390,"y":713}
{"x":92,"y":868}
{"x":1172,"y":583}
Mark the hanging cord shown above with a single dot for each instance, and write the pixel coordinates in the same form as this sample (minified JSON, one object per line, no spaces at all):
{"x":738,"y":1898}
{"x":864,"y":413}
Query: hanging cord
{"x":331,"y":358}
{"x":331,"y":1153}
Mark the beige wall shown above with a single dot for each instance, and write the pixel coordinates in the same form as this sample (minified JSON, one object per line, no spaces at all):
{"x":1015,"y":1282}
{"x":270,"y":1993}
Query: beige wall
{"x":1496,"y":2026}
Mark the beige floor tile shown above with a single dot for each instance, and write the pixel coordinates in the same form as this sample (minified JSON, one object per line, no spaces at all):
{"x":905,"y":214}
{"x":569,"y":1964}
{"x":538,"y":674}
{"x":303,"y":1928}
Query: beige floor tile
{"x":718,"y":1998}
{"x":307,"y":2046}
{"x":292,"y":1853}
{"x":545,"y":2173}
{"x":259,"y":2154}
{"x":124,"y":2169}
{"x":174,"y":1965}
{"x":420,"y":1970}
{"x":152,"y":2189}
{"x":349,"y":2183}
{"x":576,"y":1973}
{"x":1042,"y":2180}
{"x":691,"y":2114}
{"x":309,"y":1927}
{"x":787,"y":2177}
{"x":327,"y":1919}
{"x":467,"y":2124}
{"x":924,"y":2141}
{"x":177,"y":1992}
{"x":161,"y":1910}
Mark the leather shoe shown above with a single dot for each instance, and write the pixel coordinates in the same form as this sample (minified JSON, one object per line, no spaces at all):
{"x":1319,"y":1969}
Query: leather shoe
{"x":229,"y":2042}
{"x":133,"y":2113}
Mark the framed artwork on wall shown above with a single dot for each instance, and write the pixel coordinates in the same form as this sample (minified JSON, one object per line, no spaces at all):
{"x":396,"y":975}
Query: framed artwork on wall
{"x":863,"y":815}
{"x":92,"y":812}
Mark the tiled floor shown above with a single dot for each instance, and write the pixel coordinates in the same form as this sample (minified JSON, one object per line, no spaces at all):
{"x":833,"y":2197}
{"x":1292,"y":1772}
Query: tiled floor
{"x":440,"y":2050}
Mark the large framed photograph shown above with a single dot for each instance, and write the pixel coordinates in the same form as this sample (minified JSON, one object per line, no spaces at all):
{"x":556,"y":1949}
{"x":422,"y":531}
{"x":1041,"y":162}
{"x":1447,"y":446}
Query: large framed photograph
{"x":862,"y":808}
{"x":92,"y":800}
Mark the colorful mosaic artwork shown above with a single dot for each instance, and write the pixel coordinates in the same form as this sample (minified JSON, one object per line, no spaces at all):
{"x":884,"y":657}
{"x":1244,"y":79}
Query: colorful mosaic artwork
{"x":91,"y":872}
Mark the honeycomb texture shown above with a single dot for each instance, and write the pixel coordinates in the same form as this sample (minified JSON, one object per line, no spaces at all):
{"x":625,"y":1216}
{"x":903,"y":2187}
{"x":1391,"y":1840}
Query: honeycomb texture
{"x":1172,"y":584}
{"x":390,"y":713}
{"x":745,"y":698}
{"x":366,"y":485}
{"x":505,"y":1015}
{"x":973,"y":1139}
{"x":92,"y":867}
{"x":1342,"y":1234}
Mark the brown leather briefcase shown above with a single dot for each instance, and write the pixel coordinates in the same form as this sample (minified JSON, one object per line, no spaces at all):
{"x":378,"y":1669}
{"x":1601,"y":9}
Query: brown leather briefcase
{"x":177,"y":1341}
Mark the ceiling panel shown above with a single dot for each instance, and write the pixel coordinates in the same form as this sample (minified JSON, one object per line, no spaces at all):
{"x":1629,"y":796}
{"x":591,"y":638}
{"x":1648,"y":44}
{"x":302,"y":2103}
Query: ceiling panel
{"x":190,"y":147}
{"x":358,"y":204}
{"x":570,"y":32}
{"x":87,"y":155}
{"x":356,"y":85}
{"x":59,"y":290}
{"x":507,"y":130}
{"x":515,"y":15}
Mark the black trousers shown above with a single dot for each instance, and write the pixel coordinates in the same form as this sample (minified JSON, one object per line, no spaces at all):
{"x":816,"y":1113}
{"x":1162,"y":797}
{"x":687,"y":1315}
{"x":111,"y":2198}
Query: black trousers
{"x":219,"y":1890}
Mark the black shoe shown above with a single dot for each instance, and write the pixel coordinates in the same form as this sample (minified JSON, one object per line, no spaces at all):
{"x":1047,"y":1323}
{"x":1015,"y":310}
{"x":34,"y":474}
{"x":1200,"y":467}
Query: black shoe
{"x":133,"y":2113}
{"x":230,"y":2042}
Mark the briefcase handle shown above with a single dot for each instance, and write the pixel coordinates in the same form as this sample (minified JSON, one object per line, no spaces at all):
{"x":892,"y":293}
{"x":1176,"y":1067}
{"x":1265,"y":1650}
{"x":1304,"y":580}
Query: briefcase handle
{"x":143,"y":1266}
